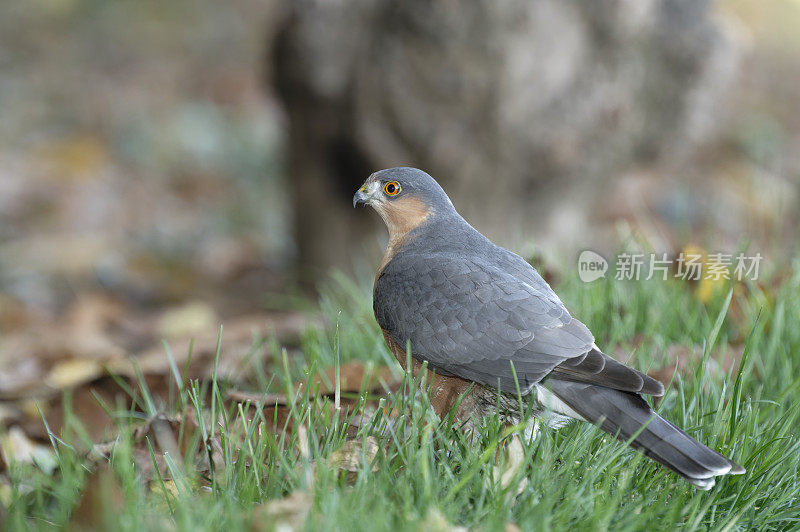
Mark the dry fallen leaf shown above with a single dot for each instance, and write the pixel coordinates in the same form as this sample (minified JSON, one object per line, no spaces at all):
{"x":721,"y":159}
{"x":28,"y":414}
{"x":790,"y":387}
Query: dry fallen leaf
{"x":166,"y":487}
{"x":193,"y":317}
{"x":46,"y":358}
{"x":96,"y":332}
{"x":288,"y":513}
{"x":353,"y":377}
{"x":72,"y":372}
{"x":237,"y":347}
{"x":355,"y":454}
{"x":178,"y":439}
{"x":15,"y":446}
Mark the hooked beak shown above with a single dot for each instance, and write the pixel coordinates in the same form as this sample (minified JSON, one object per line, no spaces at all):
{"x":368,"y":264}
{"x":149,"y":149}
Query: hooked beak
{"x":368,"y":192}
{"x":360,"y":198}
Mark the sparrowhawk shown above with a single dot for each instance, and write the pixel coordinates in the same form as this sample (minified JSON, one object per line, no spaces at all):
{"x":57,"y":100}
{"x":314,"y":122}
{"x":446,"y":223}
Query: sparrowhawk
{"x":486,"y":323}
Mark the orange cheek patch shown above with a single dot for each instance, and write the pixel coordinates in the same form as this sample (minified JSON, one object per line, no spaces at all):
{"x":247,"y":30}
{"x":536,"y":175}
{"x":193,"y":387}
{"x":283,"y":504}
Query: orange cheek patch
{"x":404,"y":214}
{"x":401,"y":216}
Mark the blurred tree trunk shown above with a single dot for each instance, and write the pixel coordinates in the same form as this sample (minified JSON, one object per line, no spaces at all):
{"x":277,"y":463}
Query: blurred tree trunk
{"x":510,"y":105}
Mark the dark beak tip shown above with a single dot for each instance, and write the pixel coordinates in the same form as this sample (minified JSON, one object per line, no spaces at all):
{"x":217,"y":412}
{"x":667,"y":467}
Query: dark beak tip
{"x":359,"y":199}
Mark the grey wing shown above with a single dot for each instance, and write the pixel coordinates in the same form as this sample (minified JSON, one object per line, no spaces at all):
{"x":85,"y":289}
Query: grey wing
{"x":471,"y":319}
{"x":521,"y":269}
{"x":595,"y":366}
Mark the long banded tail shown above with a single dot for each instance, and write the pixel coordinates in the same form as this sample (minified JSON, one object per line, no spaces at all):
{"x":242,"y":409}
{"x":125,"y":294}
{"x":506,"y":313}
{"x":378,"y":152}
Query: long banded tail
{"x":622,"y":414}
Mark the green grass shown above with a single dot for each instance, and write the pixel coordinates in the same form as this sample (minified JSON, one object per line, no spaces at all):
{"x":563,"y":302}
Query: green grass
{"x":428,"y":476}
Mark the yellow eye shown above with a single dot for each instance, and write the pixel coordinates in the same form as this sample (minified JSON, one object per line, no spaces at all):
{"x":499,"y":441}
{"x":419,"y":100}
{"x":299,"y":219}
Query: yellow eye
{"x":392,"y":188}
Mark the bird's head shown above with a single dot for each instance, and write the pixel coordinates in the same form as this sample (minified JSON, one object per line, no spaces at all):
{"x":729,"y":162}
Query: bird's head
{"x":404,"y":197}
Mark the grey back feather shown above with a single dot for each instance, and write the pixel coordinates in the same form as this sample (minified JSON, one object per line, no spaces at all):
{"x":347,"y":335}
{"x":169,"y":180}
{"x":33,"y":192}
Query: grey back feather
{"x":467,"y":313}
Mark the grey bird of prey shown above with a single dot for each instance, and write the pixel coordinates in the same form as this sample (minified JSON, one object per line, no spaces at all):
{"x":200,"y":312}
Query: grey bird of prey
{"x":484,"y":320}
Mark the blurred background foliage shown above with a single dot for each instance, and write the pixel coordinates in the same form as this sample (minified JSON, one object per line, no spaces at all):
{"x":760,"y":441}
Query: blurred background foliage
{"x":145,"y":151}
{"x":165,"y":166}
{"x":139,"y":153}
